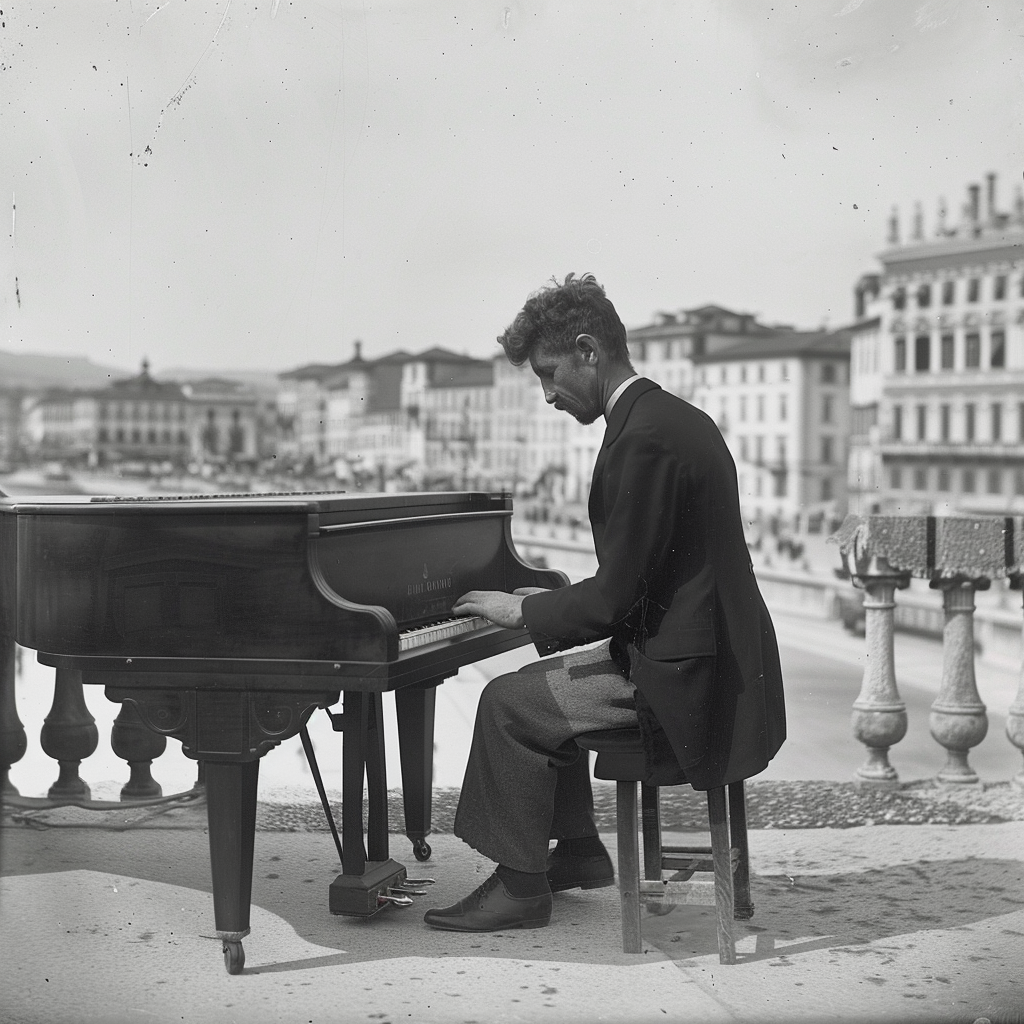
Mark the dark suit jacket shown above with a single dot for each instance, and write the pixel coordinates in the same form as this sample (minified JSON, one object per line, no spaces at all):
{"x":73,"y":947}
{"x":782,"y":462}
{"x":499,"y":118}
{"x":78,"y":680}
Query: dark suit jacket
{"x":675,"y":590}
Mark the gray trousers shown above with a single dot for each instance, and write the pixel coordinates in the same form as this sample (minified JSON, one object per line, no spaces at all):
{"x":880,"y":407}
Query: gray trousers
{"x":527,"y":781}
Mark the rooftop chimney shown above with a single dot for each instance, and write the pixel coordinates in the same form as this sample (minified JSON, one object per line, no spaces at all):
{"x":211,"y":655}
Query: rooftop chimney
{"x":973,"y":205}
{"x":990,"y":212}
{"x":940,"y":222}
{"x":918,"y":223}
{"x":894,"y":227}
{"x":358,"y":357}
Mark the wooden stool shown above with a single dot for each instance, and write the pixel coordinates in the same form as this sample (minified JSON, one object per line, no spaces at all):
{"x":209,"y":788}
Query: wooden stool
{"x":620,"y":759}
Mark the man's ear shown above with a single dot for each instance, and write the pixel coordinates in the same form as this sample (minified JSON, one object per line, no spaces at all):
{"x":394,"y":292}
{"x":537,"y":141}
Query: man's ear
{"x":587,"y":347}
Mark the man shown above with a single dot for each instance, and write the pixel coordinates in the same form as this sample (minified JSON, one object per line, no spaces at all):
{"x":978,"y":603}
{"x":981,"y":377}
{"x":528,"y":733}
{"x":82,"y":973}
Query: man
{"x":690,"y":652}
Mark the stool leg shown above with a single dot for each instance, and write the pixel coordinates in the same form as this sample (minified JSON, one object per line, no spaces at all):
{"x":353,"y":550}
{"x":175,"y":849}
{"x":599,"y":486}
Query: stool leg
{"x":722,"y":858}
{"x":650,"y":815}
{"x":629,"y":866}
{"x":744,"y":908}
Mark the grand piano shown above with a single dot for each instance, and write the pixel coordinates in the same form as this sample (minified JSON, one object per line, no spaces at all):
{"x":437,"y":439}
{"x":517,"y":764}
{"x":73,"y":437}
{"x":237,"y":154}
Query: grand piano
{"x":227,"y":620}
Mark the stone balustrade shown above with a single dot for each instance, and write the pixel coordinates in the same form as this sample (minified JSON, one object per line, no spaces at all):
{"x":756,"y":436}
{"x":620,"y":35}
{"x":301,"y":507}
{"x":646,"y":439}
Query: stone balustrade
{"x":958,"y":556}
{"x":69,"y":736}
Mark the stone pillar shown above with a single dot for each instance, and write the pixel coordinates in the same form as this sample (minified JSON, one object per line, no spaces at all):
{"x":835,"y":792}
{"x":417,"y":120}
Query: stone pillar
{"x":13,"y":741}
{"x":958,"y":720}
{"x":69,"y":735}
{"x":132,"y":741}
{"x":1015,"y":717}
{"x":879,"y":715}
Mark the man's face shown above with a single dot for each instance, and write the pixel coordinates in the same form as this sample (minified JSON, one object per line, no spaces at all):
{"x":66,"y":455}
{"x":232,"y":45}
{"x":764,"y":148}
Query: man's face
{"x":570,"y":382}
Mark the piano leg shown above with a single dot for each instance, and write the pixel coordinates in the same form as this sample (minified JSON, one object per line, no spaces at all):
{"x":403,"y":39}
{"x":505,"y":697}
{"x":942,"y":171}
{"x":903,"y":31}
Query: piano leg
{"x":415,"y":709}
{"x":364,"y":887}
{"x":231,"y":813}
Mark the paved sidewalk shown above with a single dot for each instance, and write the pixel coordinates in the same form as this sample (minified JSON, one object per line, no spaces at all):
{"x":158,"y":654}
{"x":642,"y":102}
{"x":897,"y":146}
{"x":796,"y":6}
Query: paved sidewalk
{"x":883,"y":923}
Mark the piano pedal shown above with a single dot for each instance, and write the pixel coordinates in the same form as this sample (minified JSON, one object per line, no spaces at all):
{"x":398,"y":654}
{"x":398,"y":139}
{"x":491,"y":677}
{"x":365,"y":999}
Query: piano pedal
{"x":419,"y":881}
{"x":396,"y":901}
{"x":404,"y":890}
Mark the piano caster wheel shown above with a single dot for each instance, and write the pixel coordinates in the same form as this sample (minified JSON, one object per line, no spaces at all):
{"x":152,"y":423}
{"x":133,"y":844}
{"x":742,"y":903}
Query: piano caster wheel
{"x":234,"y":956}
{"x":421,"y":849}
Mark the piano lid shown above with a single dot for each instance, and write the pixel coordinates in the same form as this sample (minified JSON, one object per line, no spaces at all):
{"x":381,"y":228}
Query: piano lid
{"x":357,"y":505}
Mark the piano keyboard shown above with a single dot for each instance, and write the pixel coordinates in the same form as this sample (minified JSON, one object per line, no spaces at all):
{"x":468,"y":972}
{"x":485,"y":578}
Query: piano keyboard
{"x":444,"y":630}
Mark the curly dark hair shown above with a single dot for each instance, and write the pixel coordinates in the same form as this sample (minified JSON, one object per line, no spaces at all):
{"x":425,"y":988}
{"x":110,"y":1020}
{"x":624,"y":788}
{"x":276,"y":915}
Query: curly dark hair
{"x":557,"y":314}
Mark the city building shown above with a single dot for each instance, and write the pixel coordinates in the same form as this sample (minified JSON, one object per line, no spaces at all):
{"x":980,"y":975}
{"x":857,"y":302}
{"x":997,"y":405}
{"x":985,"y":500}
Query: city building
{"x":11,"y":426}
{"x":937,"y":383}
{"x":665,"y":350}
{"x":782,"y":403}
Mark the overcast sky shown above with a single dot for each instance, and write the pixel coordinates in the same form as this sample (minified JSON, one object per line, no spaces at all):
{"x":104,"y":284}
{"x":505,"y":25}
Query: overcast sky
{"x":255,"y":185}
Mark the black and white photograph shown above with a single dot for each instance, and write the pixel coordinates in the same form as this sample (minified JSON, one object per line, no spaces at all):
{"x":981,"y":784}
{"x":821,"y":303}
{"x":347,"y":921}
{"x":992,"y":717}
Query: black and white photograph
{"x":511,"y":511}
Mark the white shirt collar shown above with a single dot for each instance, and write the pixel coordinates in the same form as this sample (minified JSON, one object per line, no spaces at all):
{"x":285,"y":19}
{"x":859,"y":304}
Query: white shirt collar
{"x":617,"y":393}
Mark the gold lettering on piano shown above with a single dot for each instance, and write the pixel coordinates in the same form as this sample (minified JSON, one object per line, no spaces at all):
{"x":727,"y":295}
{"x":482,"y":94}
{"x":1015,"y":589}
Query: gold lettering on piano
{"x":429,"y":586}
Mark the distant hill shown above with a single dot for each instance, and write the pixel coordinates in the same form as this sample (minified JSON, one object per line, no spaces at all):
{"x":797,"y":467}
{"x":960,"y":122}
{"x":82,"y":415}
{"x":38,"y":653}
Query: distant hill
{"x":261,"y":381}
{"x":34,"y":370}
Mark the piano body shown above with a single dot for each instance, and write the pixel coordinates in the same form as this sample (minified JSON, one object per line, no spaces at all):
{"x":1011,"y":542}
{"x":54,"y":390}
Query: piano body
{"x":228,"y":619}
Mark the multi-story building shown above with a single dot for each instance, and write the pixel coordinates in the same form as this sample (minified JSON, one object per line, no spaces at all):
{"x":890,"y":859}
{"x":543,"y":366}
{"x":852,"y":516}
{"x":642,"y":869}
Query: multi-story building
{"x":141,"y":419}
{"x":665,"y":350}
{"x":534,"y":447}
{"x":782,"y":404}
{"x":938,"y":368}
{"x":11,"y":426}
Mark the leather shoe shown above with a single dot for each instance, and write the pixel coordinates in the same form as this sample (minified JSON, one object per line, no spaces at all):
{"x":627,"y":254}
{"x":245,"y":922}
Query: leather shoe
{"x":490,"y":908}
{"x":567,"y":871}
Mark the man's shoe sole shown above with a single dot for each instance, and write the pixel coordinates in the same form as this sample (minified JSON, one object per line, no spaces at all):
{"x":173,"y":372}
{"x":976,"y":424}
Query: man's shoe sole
{"x":600,"y":883}
{"x":445,"y":926}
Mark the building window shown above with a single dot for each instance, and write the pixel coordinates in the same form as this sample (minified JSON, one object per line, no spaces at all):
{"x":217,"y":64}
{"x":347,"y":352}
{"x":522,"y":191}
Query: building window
{"x":826,"y":408}
{"x":944,"y":422}
{"x":826,"y":450}
{"x":743,"y":408}
{"x":972,"y":350}
{"x":743,"y":374}
{"x":997,"y":355}
{"x":899,"y":299}
{"x":120,"y":435}
{"x":922,"y":352}
{"x":943,"y":479}
{"x":103,"y":434}
{"x":900,"y":354}
{"x":780,"y":447}
{"x":1020,"y":421}
{"x":947,"y":350}
{"x":920,"y":478}
{"x":760,"y":372}
{"x":968,"y":481}
{"x":924,"y":296}
{"x":759,"y":449}
{"x":723,"y":376}
{"x":948,"y":293}
{"x":780,"y":485}
{"x":895,"y":478}
{"x":999,"y":287}
{"x":826,"y":488}
{"x":969,"y":421}
{"x":897,"y":422}
{"x":973,"y":290}
{"x":994,"y":481}
{"x":1018,"y":481}
{"x":997,"y":421}
{"x":782,"y":408}
{"x":744,"y":454}
{"x":828,"y":373}
{"x":922,"y":422}
{"x":760,"y":408}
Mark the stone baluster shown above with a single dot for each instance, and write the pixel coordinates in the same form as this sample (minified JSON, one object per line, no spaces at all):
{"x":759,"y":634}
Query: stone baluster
{"x":879,"y":715}
{"x":69,"y":735}
{"x":1015,"y":717}
{"x":13,"y":741}
{"x":132,"y":741}
{"x":958,"y":720}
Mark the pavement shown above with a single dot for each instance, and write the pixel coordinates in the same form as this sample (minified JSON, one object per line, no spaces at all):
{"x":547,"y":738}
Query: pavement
{"x":107,"y":921}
